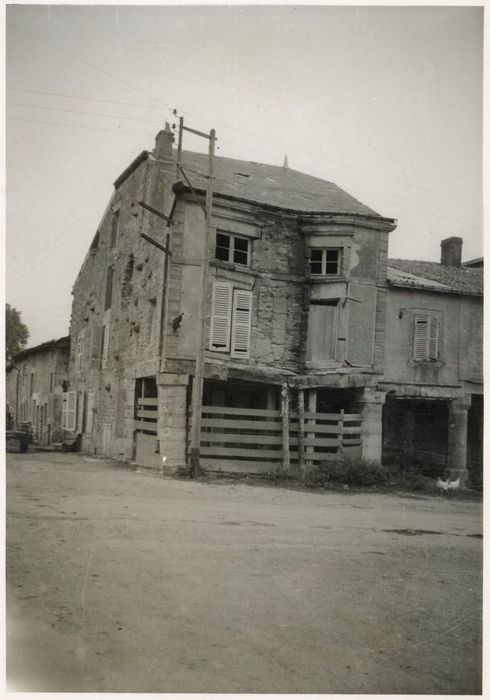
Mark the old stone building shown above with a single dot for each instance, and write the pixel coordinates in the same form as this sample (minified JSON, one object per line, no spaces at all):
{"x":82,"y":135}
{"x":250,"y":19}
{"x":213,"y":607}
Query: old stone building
{"x":295,"y":317}
{"x":433,"y":372}
{"x":36,"y":381}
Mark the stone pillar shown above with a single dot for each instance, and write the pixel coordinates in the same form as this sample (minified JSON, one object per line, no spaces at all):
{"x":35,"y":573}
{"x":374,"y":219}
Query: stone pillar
{"x":457,"y":435}
{"x":172,"y":420}
{"x":370,"y":406}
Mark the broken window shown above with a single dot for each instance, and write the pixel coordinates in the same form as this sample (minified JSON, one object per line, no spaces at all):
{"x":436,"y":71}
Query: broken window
{"x":232,"y":248}
{"x":325,"y":261}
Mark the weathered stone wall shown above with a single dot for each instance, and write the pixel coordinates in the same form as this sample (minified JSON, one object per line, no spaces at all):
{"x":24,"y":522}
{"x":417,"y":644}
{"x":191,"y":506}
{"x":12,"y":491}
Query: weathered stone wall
{"x":461,"y":338}
{"x":41,"y":406}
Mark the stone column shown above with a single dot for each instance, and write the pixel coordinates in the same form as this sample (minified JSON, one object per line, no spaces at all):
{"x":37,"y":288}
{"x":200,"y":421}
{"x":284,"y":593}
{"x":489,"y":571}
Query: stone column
{"x":457,"y":435}
{"x":371,"y":408}
{"x":172,"y":420}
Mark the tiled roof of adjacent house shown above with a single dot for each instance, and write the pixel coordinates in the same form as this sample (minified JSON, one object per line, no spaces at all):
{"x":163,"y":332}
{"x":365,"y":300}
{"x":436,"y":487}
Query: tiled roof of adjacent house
{"x":63,"y":343}
{"x":274,"y":186}
{"x":431,"y":275}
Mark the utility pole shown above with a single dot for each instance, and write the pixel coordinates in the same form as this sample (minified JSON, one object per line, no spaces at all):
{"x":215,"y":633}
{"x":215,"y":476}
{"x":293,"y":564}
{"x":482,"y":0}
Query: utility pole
{"x":197,"y":386}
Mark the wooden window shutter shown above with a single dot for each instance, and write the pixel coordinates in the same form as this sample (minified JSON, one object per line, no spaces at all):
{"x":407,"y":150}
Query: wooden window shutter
{"x":242,"y":319}
{"x":96,"y":347}
{"x":434,"y":337}
{"x":69,"y":411}
{"x":221,"y":317}
{"x":421,"y":336}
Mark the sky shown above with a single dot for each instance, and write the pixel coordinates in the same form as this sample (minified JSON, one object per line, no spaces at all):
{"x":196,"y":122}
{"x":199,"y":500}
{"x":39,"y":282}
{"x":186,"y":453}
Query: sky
{"x":384,"y":101}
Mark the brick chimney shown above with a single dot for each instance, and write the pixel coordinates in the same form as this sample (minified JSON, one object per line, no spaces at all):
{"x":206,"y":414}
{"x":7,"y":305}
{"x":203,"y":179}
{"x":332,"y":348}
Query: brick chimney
{"x":451,"y":251}
{"x":163,"y":143}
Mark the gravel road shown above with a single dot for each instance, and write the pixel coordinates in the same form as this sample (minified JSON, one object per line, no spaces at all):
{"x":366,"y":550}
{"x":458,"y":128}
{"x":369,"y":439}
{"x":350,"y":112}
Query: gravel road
{"x":121,"y":581}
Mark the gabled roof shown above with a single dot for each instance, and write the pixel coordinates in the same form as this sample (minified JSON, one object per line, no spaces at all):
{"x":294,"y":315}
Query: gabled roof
{"x":62,"y":343}
{"x":434,"y":276}
{"x":274,"y":186}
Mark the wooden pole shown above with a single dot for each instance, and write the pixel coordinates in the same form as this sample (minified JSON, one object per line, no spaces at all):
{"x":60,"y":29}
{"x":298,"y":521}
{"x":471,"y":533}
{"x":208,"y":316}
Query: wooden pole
{"x":285,"y":426}
{"x":198,"y":382}
{"x":301,"y":431}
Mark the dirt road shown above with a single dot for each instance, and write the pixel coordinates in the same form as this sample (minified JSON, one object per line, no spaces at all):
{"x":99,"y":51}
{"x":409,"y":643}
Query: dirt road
{"x":123,"y":582}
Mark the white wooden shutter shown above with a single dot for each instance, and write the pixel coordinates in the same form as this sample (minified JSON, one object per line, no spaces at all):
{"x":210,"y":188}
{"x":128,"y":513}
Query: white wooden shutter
{"x":421,"y":336}
{"x":221,"y":317}
{"x":434,"y":337}
{"x":242,"y":318}
{"x":69,"y":411}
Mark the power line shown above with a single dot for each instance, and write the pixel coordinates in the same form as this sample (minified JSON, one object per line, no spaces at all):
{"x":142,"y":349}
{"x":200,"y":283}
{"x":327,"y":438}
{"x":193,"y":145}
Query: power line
{"x":315,"y":155}
{"x":92,"y":65}
{"x":79,"y":111}
{"x":76,"y":126}
{"x":80,"y":97}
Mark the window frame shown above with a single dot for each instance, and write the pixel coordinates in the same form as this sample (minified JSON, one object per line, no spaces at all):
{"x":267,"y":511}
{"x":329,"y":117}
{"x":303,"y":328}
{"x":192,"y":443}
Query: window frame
{"x":424,"y":340}
{"x":232,"y":239}
{"x":324,"y":261}
{"x":231,"y":320}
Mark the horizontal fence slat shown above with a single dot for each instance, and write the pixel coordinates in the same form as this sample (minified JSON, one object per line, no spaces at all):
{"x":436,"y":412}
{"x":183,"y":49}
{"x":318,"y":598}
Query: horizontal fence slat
{"x":147,"y":414}
{"x":241,"y":424}
{"x":349,"y":417}
{"x":351,"y":441}
{"x":317,"y":442}
{"x":348,"y":430}
{"x":315,"y":428}
{"x":147,"y":402}
{"x":145,"y":425}
{"x":228,"y":465}
{"x":241,"y":452}
{"x":240,"y":438}
{"x":225,"y":411}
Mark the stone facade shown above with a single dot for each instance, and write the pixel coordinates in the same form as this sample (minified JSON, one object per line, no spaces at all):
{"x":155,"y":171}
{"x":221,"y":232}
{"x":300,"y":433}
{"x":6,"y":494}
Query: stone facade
{"x":35,"y":382}
{"x":298,"y":296}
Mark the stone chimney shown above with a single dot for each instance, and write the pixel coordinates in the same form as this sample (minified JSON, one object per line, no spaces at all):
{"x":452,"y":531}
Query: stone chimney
{"x":451,"y":251}
{"x":163,"y":143}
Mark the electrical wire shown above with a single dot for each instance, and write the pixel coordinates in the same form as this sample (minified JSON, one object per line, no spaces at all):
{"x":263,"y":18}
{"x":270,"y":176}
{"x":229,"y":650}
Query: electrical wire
{"x":79,"y":111}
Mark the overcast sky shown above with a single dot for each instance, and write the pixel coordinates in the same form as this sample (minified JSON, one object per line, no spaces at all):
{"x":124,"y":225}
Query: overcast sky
{"x":384,"y":101}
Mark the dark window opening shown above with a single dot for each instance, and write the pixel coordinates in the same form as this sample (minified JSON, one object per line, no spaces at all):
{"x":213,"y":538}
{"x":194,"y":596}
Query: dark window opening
{"x":108,"y":288}
{"x":325,"y":261}
{"x":114,"y":228}
{"x":231,"y":248}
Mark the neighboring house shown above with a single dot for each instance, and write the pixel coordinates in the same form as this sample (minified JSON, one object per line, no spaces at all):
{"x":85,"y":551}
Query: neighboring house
{"x":35,"y":384}
{"x":434,"y":362}
{"x":295,"y":316}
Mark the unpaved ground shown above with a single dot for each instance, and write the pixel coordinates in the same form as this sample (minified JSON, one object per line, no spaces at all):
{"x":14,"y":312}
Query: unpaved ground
{"x":122,"y":582}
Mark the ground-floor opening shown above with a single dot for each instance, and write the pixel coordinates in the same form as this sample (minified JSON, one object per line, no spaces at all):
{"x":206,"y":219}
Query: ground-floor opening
{"x":415,"y":434}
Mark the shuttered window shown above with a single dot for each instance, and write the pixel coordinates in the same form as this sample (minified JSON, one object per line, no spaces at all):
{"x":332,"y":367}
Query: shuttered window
{"x":69,"y":411}
{"x":242,"y":316}
{"x":221,"y":317}
{"x":426,"y":336}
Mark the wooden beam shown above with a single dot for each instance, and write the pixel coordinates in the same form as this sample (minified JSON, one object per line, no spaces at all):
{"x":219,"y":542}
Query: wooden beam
{"x":301,"y":431}
{"x":285,"y":426}
{"x":154,"y":211}
{"x":155,"y":243}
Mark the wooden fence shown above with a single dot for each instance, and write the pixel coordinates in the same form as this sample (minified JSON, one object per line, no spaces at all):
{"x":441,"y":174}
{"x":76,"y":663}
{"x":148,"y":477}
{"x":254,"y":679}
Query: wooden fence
{"x":146,"y":427}
{"x":257,"y":440}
